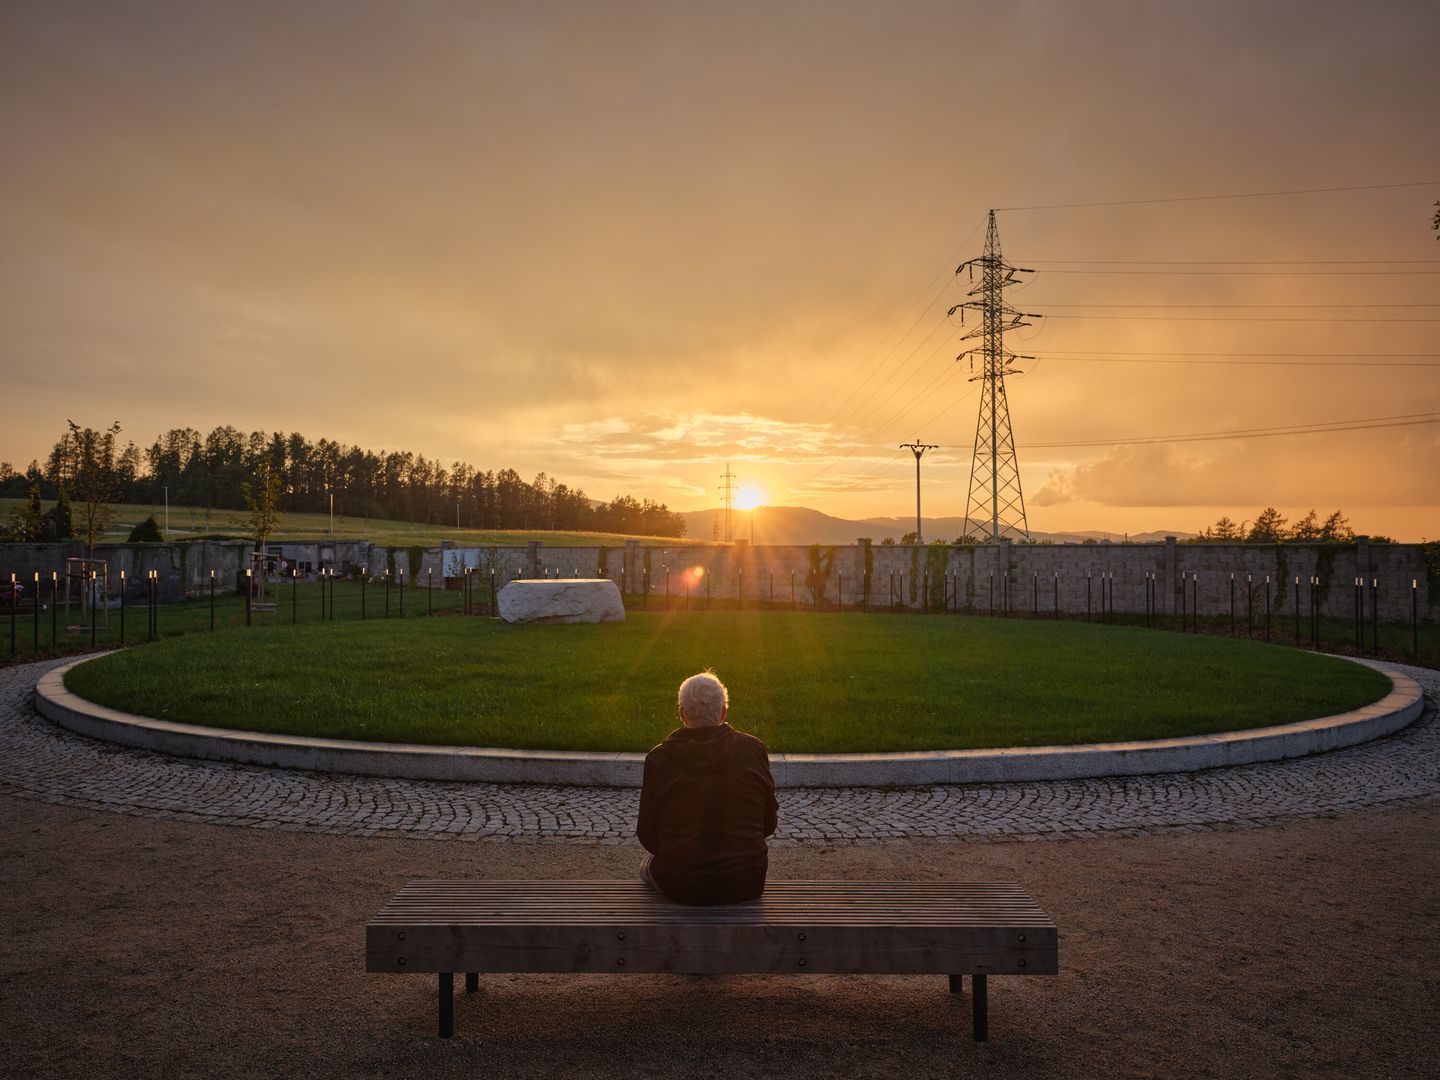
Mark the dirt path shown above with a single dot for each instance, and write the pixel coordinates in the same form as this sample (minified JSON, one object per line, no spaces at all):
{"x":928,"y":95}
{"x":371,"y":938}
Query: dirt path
{"x":152,"y":948}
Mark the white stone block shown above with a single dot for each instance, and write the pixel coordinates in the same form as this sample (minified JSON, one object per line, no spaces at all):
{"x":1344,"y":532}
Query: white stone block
{"x":561,"y":600}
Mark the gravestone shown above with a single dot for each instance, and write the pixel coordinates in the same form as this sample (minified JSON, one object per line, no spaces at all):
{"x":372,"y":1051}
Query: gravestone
{"x":563,"y":600}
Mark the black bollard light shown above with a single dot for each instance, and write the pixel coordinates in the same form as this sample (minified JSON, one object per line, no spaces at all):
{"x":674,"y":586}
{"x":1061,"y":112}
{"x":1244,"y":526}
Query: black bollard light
{"x":294,"y":595}
{"x":93,"y":620}
{"x":247,"y":595}
{"x":14,"y":604}
{"x":212,"y":599}
{"x":54,"y":606}
{"x":35,"y":612}
{"x":364,"y":577}
{"x":1267,"y":607}
{"x":122,"y":606}
{"x":387,"y":593}
{"x":429,"y":591}
{"x":402,"y":592}
{"x":1249,"y":606}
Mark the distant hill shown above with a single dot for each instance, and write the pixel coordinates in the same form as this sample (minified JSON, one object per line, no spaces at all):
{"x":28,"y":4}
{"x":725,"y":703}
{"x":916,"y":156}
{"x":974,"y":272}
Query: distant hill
{"x":801,"y":525}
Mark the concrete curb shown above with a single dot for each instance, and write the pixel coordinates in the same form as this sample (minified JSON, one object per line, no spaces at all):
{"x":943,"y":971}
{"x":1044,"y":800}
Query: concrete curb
{"x":1401,"y":706}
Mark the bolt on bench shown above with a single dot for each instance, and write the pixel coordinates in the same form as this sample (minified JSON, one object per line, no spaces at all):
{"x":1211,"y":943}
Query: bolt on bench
{"x":797,"y":927}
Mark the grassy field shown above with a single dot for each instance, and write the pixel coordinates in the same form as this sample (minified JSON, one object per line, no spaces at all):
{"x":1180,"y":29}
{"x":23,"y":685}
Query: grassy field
{"x":802,"y":682}
{"x":191,"y":523}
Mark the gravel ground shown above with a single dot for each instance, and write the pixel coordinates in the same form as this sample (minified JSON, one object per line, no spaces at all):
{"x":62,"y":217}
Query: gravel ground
{"x":148,"y":947}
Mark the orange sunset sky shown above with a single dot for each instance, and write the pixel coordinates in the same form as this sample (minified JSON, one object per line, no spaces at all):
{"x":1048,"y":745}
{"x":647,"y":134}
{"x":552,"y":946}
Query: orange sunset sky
{"x":629,"y":243}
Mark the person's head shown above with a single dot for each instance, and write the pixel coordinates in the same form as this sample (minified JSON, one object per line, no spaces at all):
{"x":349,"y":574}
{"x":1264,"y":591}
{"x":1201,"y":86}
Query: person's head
{"x":703,"y":700}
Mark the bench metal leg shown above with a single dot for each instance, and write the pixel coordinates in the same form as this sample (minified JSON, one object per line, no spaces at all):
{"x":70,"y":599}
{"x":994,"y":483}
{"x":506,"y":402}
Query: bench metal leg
{"x":472,"y":981}
{"x":981,"y":1023}
{"x":957,"y":984}
{"x":447,"y":1004}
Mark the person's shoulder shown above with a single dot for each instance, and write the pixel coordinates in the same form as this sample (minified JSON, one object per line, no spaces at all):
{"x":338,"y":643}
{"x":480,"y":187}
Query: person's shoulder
{"x":751,"y":743}
{"x":660,"y":749}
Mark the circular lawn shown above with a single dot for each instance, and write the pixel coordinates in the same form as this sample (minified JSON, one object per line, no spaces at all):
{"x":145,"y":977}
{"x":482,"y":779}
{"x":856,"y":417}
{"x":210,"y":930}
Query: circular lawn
{"x":804,"y":683}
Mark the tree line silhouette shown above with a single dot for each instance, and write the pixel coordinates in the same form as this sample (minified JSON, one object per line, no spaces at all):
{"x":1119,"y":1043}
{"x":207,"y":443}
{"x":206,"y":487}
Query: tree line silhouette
{"x":1272,"y":527}
{"x":215,"y":469}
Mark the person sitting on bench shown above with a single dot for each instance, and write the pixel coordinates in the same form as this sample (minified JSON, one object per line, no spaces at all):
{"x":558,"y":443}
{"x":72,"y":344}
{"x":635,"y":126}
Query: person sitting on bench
{"x":707,"y":804}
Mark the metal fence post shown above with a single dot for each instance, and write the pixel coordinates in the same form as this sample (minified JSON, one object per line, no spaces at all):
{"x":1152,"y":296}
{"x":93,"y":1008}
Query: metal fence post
{"x":1375,"y":616}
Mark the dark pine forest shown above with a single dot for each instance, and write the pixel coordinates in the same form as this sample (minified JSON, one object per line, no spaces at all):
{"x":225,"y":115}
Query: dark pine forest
{"x":214,"y":469}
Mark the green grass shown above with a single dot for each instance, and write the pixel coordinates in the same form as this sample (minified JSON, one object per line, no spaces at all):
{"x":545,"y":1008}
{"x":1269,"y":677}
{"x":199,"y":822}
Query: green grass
{"x":194,"y":522}
{"x":300,"y":603}
{"x":800,"y":681}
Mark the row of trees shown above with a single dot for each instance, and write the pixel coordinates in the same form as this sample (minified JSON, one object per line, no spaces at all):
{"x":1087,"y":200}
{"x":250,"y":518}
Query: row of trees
{"x":1272,"y":527}
{"x":217,"y":469}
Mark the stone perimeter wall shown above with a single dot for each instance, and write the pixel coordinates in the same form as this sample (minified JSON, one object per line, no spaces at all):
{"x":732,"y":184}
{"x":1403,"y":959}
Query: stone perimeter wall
{"x":962,"y":578}
{"x":1033,"y":574}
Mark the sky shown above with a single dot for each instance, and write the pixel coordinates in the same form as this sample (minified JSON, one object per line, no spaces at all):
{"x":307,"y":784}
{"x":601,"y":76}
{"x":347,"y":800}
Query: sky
{"x":629,"y":244}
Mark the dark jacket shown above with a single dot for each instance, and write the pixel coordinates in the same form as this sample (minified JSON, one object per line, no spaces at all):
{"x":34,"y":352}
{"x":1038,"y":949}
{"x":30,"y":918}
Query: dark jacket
{"x":706,"y":808}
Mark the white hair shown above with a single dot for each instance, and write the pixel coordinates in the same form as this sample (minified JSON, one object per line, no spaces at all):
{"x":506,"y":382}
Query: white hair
{"x":703,"y":699}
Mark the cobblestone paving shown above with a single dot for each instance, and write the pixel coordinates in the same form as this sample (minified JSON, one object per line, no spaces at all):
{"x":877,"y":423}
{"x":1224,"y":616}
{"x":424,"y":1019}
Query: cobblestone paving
{"x":41,"y":761}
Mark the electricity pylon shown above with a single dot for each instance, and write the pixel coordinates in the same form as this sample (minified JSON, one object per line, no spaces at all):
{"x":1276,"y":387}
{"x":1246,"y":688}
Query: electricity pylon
{"x":994,"y":492}
{"x":728,"y":479}
{"x":918,"y":448}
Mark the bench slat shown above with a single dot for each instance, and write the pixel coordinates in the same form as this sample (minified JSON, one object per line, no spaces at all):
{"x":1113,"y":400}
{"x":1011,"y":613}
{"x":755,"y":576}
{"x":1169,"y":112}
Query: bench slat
{"x":796,"y":926}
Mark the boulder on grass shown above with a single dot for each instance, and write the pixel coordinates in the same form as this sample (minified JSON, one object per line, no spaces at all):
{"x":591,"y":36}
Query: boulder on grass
{"x":563,"y":600}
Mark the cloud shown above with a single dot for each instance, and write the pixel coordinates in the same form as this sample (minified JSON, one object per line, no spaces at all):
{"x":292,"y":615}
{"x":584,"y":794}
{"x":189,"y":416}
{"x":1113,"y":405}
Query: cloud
{"x":1334,"y":469}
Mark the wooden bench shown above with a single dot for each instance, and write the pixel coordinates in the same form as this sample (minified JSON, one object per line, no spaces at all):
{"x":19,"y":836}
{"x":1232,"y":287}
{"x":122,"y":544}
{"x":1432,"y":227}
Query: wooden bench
{"x":801,"y":927}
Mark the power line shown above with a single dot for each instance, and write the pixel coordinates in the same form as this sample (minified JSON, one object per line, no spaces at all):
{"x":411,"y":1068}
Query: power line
{"x":1363,"y":424}
{"x":1342,"y":306}
{"x":1148,"y":352}
{"x":1250,"y":363}
{"x":1257,"y":273}
{"x":1242,"y":318}
{"x":939,"y":274}
{"x":1235,"y":195}
{"x":1234,"y":262}
{"x":816,"y":474}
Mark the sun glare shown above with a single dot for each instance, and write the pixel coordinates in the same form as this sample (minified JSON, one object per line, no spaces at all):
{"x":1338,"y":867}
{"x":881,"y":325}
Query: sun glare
{"x":749,"y":498}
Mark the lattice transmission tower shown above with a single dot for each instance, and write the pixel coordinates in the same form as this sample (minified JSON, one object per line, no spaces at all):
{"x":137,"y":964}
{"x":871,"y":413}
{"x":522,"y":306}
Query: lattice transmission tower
{"x":727,"y":483}
{"x":995,"y":503}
